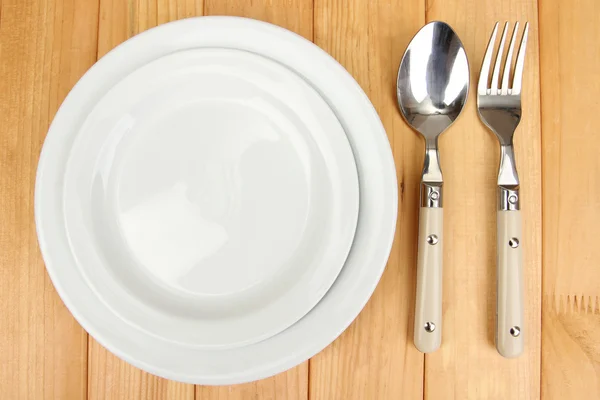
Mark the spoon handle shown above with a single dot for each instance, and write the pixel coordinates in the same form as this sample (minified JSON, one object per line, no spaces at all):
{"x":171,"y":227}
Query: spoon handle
{"x":509,"y":318}
{"x":428,"y":307}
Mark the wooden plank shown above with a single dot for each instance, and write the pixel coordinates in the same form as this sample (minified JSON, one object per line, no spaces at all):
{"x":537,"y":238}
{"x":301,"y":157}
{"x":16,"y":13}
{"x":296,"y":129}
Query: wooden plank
{"x":570,"y":90}
{"x":122,"y":19}
{"x":290,"y":385}
{"x":375,"y":357}
{"x":109,"y":377}
{"x":112,"y":378}
{"x":295,"y":15}
{"x":468,"y":366}
{"x":45,"y":46}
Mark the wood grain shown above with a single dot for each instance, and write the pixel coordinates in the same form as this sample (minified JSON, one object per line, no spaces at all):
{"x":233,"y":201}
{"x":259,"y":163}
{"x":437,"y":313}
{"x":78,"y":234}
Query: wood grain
{"x":570,"y":104}
{"x":290,"y":385}
{"x":375,"y":357}
{"x":45,"y":46}
{"x":295,"y":15}
{"x":468,"y":365}
{"x":570,"y":101}
{"x":109,"y":377}
{"x":571,"y":348}
{"x":122,"y":19}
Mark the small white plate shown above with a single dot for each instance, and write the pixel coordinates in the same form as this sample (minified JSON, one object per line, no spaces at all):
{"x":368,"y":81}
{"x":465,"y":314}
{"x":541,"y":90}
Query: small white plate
{"x":211,"y":198}
{"x":365,"y":262}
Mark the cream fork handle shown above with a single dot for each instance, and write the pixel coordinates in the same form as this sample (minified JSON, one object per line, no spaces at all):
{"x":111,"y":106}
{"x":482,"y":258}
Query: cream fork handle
{"x":509,"y":318}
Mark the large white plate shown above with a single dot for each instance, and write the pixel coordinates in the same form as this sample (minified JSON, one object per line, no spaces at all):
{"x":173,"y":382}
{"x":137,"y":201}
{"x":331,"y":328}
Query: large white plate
{"x":365,"y":262}
{"x":211,"y":197}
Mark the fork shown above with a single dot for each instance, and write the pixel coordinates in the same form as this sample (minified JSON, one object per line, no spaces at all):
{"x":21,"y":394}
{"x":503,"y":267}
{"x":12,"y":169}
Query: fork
{"x":500,"y":110}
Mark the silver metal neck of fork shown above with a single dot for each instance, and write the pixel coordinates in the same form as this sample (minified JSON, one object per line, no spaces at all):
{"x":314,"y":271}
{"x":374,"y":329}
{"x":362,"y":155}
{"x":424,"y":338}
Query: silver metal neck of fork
{"x":508,"y":180}
{"x":507,"y":176}
{"x":508,"y":198}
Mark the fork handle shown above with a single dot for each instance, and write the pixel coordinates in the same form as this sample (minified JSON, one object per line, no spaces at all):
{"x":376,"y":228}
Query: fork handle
{"x":509,"y":318}
{"x":428,"y":306}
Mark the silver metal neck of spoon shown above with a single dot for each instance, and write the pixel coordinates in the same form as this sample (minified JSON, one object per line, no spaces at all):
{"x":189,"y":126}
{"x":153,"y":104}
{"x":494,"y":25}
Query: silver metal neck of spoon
{"x":432,"y":171}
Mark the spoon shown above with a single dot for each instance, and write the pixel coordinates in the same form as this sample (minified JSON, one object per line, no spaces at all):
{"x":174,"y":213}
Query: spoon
{"x":432,"y":88}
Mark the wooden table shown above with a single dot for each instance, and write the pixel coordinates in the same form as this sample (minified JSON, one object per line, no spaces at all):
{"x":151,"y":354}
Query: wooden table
{"x":46,"y":45}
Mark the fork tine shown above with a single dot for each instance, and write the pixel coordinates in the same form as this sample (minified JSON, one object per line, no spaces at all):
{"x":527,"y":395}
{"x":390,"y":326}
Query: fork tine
{"x":518,"y":79}
{"x":509,"y":56}
{"x":487,"y":62}
{"x":496,"y":76}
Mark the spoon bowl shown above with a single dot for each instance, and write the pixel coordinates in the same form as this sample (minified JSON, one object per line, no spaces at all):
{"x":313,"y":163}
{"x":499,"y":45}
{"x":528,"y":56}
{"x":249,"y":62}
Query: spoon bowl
{"x":433,"y":80}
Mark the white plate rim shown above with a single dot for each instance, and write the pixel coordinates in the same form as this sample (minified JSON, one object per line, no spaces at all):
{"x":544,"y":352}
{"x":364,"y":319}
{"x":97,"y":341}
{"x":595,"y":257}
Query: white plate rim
{"x":377,"y":217}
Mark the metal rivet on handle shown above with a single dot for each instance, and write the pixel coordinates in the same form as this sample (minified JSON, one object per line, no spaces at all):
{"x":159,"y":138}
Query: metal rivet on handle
{"x":434,"y":195}
{"x":514,"y":243}
{"x":515,"y":331}
{"x":512,"y":199}
{"x":432,"y":239}
{"x":429,"y":327}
